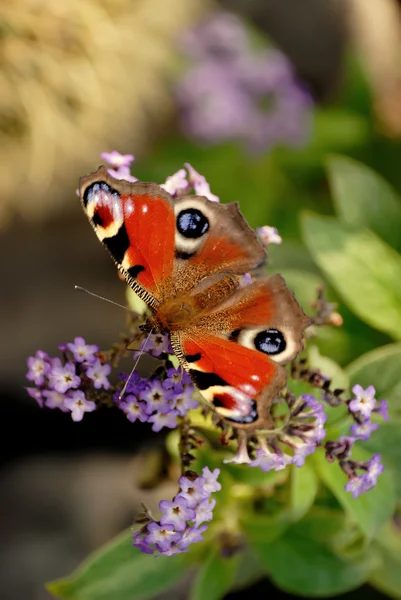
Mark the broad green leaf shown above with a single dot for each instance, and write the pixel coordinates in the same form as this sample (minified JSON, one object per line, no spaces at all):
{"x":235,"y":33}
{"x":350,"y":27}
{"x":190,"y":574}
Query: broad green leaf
{"x":304,"y":566}
{"x":249,"y":570}
{"x":381,"y":368}
{"x":370,"y":510}
{"x":364,"y":199}
{"x":387,"y":576}
{"x":304,"y":485}
{"x":120,"y":571}
{"x":365,"y":271}
{"x":215,"y":577}
{"x":263,"y":528}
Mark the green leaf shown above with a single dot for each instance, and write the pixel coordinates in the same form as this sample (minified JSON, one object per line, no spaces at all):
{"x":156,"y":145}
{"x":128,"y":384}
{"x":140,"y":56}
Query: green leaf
{"x":304,"y":485}
{"x":329,"y":367}
{"x":263,"y":528}
{"x":381,"y":368}
{"x":387,"y":576}
{"x":120,"y":571}
{"x":364,"y":199}
{"x":215,"y":577}
{"x":365,"y":271}
{"x":370,"y":510}
{"x":304,"y":566}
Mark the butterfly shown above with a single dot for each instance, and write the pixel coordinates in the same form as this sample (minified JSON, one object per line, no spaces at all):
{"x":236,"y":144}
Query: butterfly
{"x":186,"y":258}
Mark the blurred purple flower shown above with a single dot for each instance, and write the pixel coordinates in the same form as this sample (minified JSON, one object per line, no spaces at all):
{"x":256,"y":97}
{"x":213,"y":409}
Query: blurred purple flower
{"x":81,"y":351}
{"x":134,"y":409}
{"x":38,"y":367}
{"x":268,"y":235}
{"x":98,"y":373}
{"x":363,"y":431}
{"x":63,"y":378}
{"x":270,"y":461}
{"x":232,"y":91}
{"x":162,"y":535}
{"x":176,"y":513}
{"x":364,"y":401}
{"x":192,"y":491}
{"x":161,"y":420}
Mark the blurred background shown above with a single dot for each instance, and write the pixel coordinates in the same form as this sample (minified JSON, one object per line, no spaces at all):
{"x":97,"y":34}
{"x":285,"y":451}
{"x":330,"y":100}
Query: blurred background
{"x":255,"y":99}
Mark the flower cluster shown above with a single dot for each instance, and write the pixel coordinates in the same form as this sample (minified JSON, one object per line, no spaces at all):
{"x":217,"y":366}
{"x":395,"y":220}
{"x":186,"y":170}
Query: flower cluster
{"x":232,"y":91}
{"x":181,"y":523}
{"x":157,"y":401}
{"x":67,"y":383}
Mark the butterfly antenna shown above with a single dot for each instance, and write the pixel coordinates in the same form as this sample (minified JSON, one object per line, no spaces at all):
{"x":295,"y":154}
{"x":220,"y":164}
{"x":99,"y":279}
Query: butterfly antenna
{"x":81,"y":289}
{"x":140,"y":353}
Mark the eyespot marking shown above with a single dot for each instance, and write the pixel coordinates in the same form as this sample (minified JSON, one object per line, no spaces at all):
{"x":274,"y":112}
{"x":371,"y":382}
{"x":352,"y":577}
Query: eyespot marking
{"x":227,"y":403}
{"x":192,"y":223}
{"x":184,"y":255}
{"x":270,"y":342}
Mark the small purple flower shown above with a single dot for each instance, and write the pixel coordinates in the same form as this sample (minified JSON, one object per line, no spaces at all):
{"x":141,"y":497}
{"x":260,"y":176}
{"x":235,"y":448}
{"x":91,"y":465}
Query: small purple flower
{"x":98,"y":373}
{"x":115,"y":159}
{"x":161,"y":420}
{"x":157,"y":397}
{"x":36,"y":394}
{"x":268,"y":461}
{"x":158,"y":344}
{"x":82,"y":351}
{"x":204,"y":512}
{"x":161,"y":535}
{"x":64,"y":378}
{"x":374,"y":469}
{"x":358,"y":485}
{"x":54,"y":400}
{"x":176,"y":377}
{"x":268,"y":235}
{"x":210,"y":480}
{"x":364,"y":401}
{"x":200,"y":185}
{"x":134,"y":409}
{"x":363,"y":431}
{"x":176,"y":513}
{"x":78,"y":404}
{"x":301,"y":452}
{"x":192,"y":491}
{"x":176,"y":183}
{"x":138,"y":541}
{"x":192,"y":536}
{"x":122,"y":173}
{"x":39,"y":367}
{"x":383,"y":410}
{"x":183,"y":401}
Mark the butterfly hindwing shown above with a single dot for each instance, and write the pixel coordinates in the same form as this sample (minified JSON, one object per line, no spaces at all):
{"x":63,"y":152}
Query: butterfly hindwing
{"x":235,"y":354}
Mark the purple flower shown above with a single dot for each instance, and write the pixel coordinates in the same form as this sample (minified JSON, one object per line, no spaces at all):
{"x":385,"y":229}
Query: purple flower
{"x":176,"y":513}
{"x":268,"y":235}
{"x":134,"y":409}
{"x":64,"y":378}
{"x":233,"y":92}
{"x":115,"y":159}
{"x":363,"y":431}
{"x":176,"y":377}
{"x":138,"y":540}
{"x":200,"y":185}
{"x":82,"y":351}
{"x":301,"y":452}
{"x":78,"y":404}
{"x":192,"y":491}
{"x":383,"y":410}
{"x":39,"y":367}
{"x":210,"y":483}
{"x":158,"y":344}
{"x":36,"y":394}
{"x":183,"y":401}
{"x":364,"y":401}
{"x":204,"y":512}
{"x":191,"y":536}
{"x":268,"y":461}
{"x":122,"y":173}
{"x":157,"y":397}
{"x":161,"y":535}
{"x":374,"y":469}
{"x":358,"y":485}
{"x":54,"y":400}
{"x":98,"y":373}
{"x":176,"y":183}
{"x":161,"y":420}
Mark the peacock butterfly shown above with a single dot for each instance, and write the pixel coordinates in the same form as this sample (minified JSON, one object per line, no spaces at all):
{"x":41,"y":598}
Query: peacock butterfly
{"x":186,"y":258}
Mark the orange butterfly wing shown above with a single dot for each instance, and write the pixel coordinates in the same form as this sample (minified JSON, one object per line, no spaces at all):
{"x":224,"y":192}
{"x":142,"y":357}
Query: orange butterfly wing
{"x":235,"y":354}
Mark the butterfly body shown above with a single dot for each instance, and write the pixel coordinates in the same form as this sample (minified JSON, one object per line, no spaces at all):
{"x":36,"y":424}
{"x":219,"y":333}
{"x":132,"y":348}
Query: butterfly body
{"x":185,"y":258}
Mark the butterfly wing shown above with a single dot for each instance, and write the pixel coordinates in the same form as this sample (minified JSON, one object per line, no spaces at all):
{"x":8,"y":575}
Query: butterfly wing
{"x":236,"y":354}
{"x":166,"y":247}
